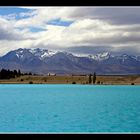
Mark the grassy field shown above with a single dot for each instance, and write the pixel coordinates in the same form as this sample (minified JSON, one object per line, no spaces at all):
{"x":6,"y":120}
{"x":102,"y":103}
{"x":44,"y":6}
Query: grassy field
{"x":106,"y":80}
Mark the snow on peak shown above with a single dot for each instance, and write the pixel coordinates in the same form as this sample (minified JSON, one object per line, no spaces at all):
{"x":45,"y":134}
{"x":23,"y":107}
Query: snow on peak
{"x":42,"y":53}
{"x":80,"y":55}
{"x":100,"y":56}
{"x":105,"y":54}
{"x":137,"y":58}
{"x":19,"y":53}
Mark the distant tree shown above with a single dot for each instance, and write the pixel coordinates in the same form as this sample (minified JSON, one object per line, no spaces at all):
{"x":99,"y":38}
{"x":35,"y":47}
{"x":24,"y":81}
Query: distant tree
{"x":30,"y":73}
{"x":90,"y":80}
{"x":94,"y":78}
{"x":15,"y":73}
{"x":11,"y":74}
{"x":19,"y":73}
{"x":7,"y":74}
{"x":3,"y":74}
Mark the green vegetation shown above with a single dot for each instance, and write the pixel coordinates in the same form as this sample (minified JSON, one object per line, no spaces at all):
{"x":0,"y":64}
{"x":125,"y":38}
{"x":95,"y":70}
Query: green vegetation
{"x":73,"y":82}
{"x":15,"y":77}
{"x":90,"y":80}
{"x":7,"y":74}
{"x":30,"y":82}
{"x":132,"y":84}
{"x":21,"y":80}
{"x":94,"y":78}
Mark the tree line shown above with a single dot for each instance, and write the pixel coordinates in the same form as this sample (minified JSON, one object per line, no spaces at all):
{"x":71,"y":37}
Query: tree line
{"x":8,"y":74}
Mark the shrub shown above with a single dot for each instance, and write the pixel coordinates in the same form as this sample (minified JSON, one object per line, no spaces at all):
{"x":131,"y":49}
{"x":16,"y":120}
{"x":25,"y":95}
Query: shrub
{"x":73,"y":82}
{"x":132,"y":84}
{"x":21,"y":80}
{"x":30,"y":82}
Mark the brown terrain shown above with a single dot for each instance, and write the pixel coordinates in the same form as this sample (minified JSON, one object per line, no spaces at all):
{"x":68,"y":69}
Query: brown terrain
{"x":105,"y":80}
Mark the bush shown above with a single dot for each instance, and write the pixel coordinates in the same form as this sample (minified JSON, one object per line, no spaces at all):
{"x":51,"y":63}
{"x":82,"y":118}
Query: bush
{"x":132,"y":84}
{"x":21,"y":80}
{"x":30,"y":82}
{"x":73,"y":82}
{"x":98,"y":82}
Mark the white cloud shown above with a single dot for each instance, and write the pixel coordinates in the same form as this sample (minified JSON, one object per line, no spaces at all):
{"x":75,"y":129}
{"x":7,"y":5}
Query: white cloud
{"x":89,"y":27}
{"x":6,"y":46}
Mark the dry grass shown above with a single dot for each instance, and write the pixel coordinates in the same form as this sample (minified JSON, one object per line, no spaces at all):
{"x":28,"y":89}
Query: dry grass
{"x":70,"y":79}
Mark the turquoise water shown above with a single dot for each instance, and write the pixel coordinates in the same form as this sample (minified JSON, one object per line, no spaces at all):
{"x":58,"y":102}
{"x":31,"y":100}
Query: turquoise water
{"x":69,"y":108}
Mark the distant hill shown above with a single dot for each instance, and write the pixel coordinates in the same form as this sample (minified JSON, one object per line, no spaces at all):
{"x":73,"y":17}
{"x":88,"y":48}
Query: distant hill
{"x":42,"y":61}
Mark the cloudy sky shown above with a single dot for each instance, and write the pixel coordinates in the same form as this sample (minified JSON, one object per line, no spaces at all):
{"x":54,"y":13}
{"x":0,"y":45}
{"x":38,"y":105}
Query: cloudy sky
{"x":74,"y":29}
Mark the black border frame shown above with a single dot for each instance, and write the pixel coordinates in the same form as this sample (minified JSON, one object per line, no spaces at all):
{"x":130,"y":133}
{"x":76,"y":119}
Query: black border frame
{"x":70,"y":136}
{"x":69,"y":3}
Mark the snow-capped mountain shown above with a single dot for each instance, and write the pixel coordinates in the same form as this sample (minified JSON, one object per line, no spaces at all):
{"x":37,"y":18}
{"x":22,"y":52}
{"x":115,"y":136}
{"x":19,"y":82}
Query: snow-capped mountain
{"x":96,"y":57}
{"x":42,"y":53}
{"x":100,"y":56}
{"x":43,"y":61}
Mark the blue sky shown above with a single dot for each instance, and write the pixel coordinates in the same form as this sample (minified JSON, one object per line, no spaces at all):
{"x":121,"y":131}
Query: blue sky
{"x":4,"y":11}
{"x":33,"y":29}
{"x":70,"y":28}
{"x":60,"y":22}
{"x":11,"y":10}
{"x":14,"y":10}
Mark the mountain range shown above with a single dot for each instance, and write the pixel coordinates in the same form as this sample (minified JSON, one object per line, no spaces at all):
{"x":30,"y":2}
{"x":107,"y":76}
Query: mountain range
{"x":43,"y":61}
